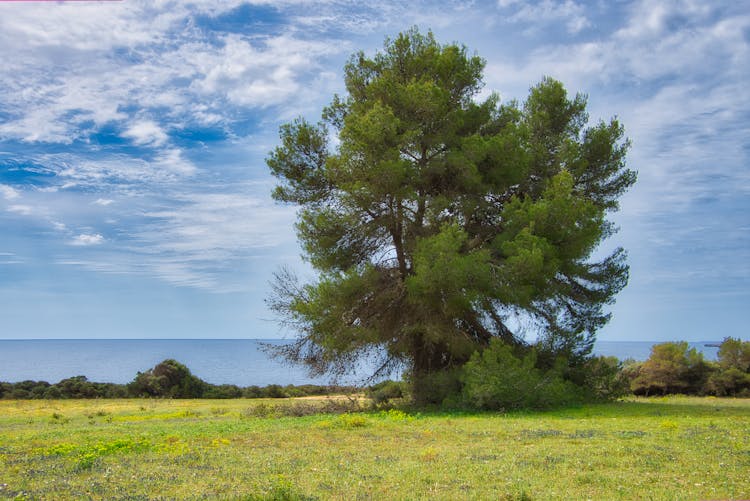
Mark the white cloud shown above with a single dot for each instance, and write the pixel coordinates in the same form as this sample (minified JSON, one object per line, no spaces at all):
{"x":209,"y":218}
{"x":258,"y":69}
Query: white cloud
{"x":111,"y":171}
{"x":63,"y":83}
{"x":196,"y":240}
{"x":7,"y":258}
{"x":546,"y":12}
{"x":651,"y":20}
{"x":677,"y":40}
{"x":8,"y":192}
{"x":148,"y":71}
{"x":173,"y":162}
{"x":146,"y":132}
{"x":84,"y":239}
{"x":255,"y":74}
{"x":218,"y":223}
{"x":24,"y":210}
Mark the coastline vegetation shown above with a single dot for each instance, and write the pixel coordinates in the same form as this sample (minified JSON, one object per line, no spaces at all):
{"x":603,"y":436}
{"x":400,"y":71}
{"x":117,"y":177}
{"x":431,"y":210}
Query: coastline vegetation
{"x":168,"y":379}
{"x":496,"y":379}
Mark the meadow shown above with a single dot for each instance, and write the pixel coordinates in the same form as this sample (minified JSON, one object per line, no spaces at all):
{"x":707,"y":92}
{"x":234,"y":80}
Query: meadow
{"x":657,"y":448}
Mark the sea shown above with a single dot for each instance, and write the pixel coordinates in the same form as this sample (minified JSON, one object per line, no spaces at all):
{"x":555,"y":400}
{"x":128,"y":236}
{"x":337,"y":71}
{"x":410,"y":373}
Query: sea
{"x":243,"y":362}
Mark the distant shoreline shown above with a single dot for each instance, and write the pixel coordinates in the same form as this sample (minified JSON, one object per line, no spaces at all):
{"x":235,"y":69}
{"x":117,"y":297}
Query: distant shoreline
{"x":241,"y":362}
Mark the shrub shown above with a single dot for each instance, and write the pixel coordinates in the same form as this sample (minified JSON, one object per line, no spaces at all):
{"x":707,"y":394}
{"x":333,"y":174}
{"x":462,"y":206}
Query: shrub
{"x":77,"y":387}
{"x":382,"y":393}
{"x":112,"y":390}
{"x":732,"y":378}
{"x":734,"y":353}
{"x":728,"y":382}
{"x":672,"y":368}
{"x":222,"y":391}
{"x":252,"y":392}
{"x":603,"y":378}
{"x":496,"y":379}
{"x":274,"y":391}
{"x":439,"y":387}
{"x":167,"y":379}
{"x":53,"y":392}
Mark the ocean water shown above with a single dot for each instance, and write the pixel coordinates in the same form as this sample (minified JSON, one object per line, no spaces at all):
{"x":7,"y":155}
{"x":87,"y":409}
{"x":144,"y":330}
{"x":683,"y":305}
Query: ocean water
{"x":219,"y":361}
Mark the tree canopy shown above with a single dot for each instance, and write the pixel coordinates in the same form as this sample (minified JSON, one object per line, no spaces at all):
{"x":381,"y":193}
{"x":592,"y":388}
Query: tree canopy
{"x":435,"y":217}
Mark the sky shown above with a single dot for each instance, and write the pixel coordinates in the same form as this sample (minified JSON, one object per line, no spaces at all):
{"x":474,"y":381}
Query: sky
{"x":135,"y":199}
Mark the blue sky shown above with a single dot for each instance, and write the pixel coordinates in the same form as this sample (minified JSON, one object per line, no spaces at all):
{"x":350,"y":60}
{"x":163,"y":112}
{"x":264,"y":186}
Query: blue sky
{"x":135,"y":200}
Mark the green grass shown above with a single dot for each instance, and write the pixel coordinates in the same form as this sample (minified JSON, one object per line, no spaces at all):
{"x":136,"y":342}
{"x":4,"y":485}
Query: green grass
{"x":671,"y":448}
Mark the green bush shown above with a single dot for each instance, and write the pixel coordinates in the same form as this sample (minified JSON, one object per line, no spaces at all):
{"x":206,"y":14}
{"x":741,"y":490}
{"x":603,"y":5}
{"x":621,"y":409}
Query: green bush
{"x":437,"y":388}
{"x":602,"y":378}
{"x":496,"y":379}
{"x":274,"y":391}
{"x":222,"y":391}
{"x":672,"y":368}
{"x":78,"y":387}
{"x":728,"y":382}
{"x":385,"y":391}
{"x":252,"y":392}
{"x":734,"y":354}
{"x":732,"y":378}
{"x":167,"y":379}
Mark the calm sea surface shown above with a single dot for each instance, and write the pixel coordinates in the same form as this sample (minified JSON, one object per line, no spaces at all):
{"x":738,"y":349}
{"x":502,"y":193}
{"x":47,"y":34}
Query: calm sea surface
{"x":218,"y":361}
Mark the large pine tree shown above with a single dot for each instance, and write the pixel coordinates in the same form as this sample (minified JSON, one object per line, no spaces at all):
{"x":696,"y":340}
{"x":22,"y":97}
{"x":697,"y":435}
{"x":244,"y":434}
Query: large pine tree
{"x":435,"y":218}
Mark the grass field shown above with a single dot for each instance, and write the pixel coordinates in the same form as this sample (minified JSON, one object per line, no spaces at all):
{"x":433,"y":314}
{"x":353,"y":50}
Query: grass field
{"x":671,"y":448}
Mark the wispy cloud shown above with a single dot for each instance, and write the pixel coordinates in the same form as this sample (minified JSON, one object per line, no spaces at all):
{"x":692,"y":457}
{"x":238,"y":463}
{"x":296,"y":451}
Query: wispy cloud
{"x":8,"y":258}
{"x":24,"y":210}
{"x":8,"y":192}
{"x":687,"y":63}
{"x":146,"y":132}
{"x":202,"y":236}
{"x":149,"y":62}
{"x":111,"y":170}
{"x":537,"y":14}
{"x":84,"y":240}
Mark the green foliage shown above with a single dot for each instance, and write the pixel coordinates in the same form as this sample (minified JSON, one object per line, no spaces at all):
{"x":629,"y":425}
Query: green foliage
{"x":671,"y":368}
{"x":602,"y":378}
{"x":734,"y":354}
{"x":169,"y":379}
{"x":729,"y":382}
{"x":384,"y":392}
{"x":73,"y":387}
{"x":437,"y":217}
{"x":733,"y":374}
{"x":497,"y":379}
{"x":676,"y":368}
{"x":441,"y":387}
{"x":222,"y":391}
